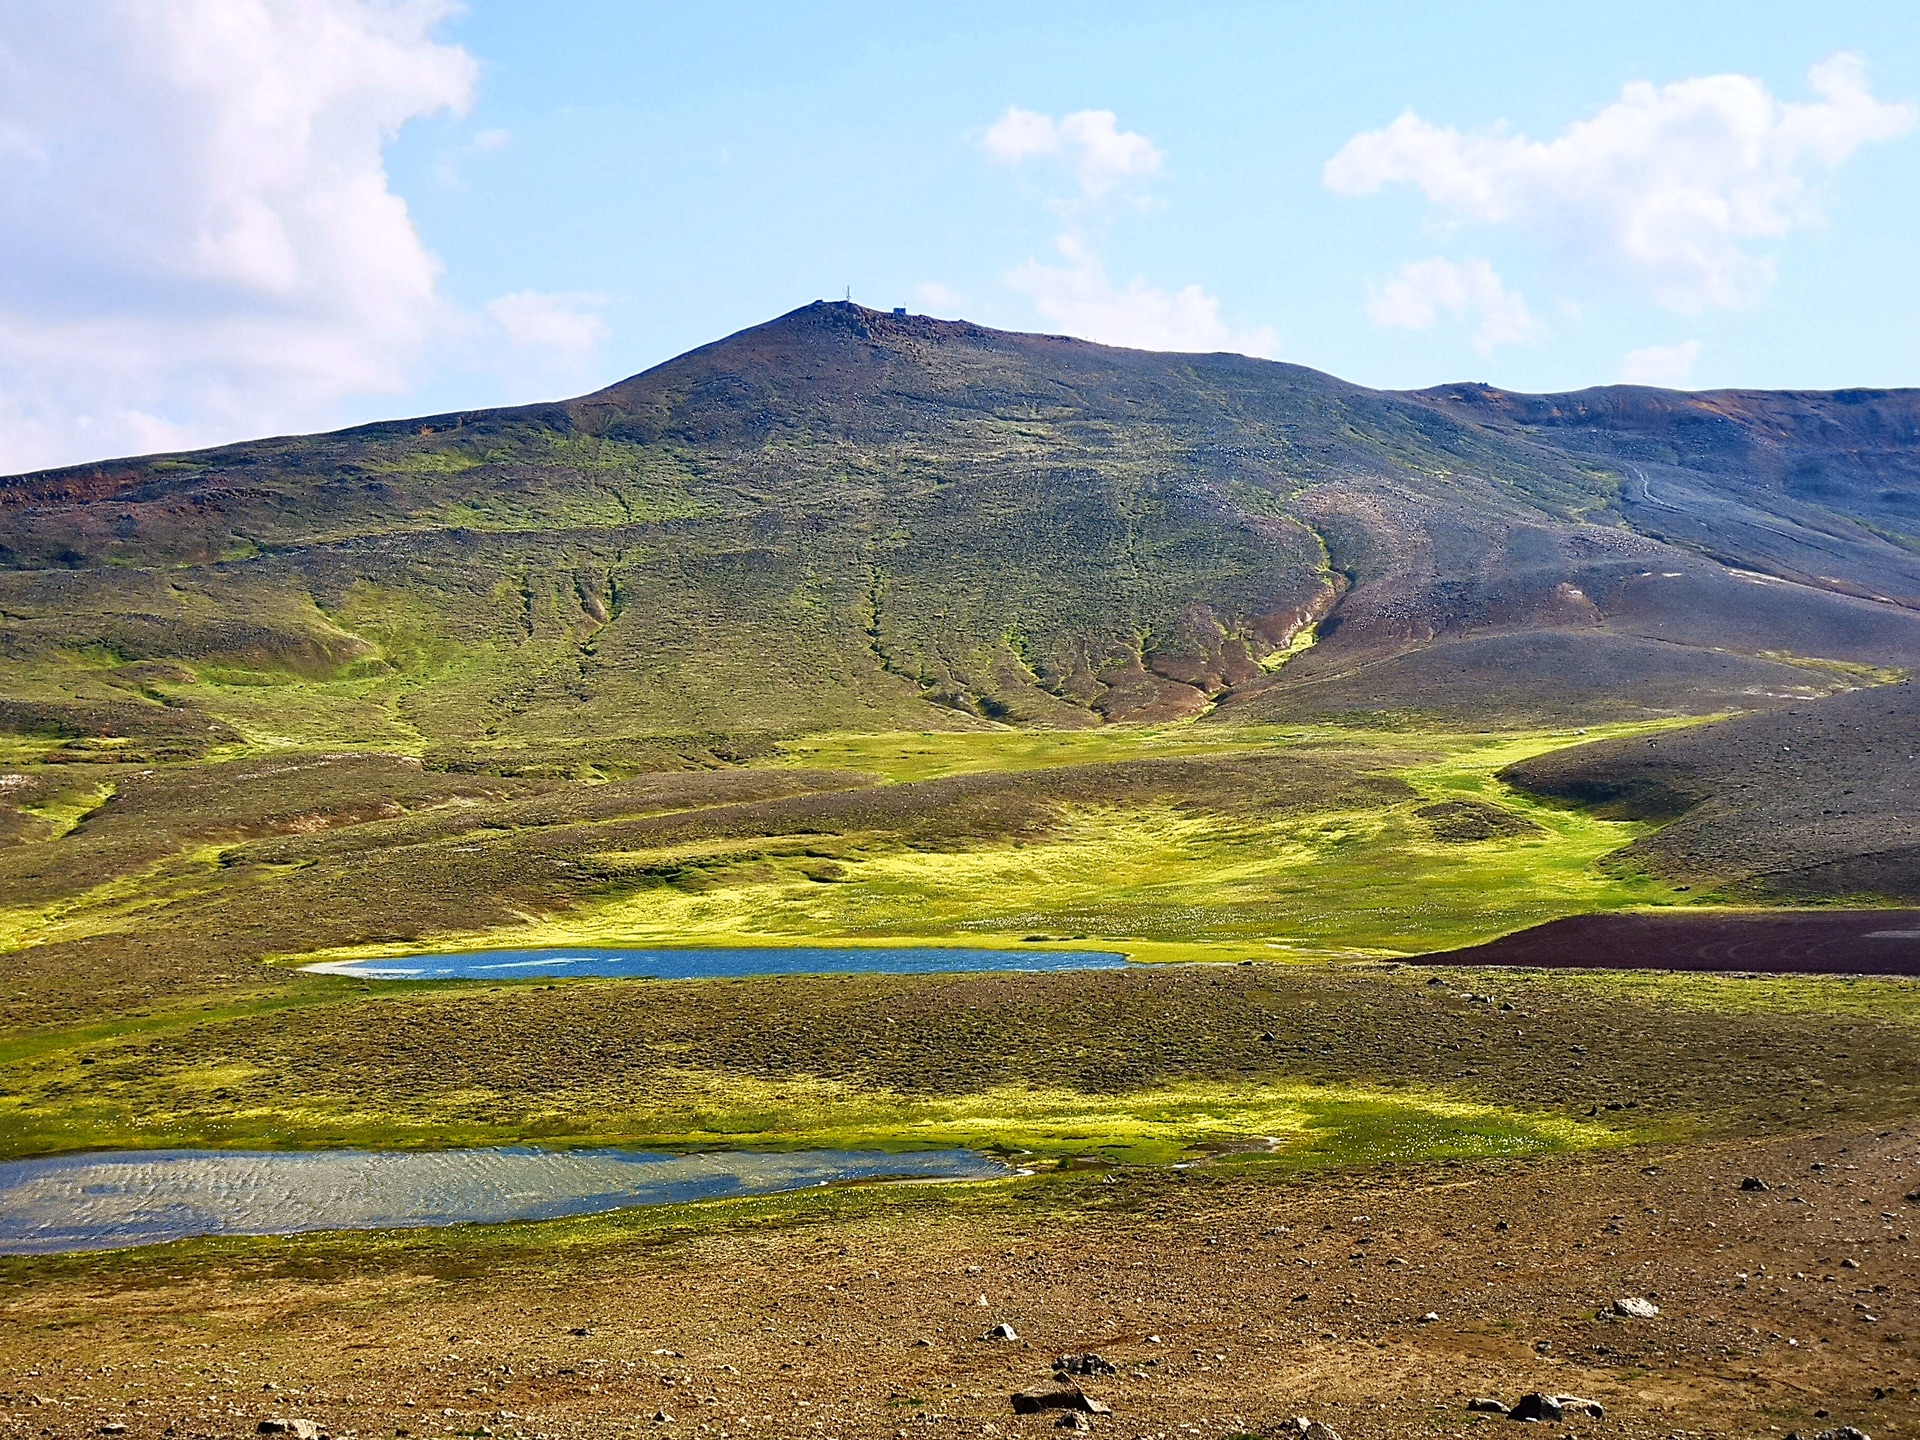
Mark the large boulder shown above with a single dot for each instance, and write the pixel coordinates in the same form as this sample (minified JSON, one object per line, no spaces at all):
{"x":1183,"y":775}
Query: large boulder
{"x":1539,"y":1406}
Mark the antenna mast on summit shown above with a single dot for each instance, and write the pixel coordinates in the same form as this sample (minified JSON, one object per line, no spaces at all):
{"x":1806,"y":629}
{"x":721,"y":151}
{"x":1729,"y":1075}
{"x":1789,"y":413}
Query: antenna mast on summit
{"x":849,"y":294}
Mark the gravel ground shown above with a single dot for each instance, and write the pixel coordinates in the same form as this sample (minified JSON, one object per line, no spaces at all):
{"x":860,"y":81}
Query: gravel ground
{"x":1227,"y":1303}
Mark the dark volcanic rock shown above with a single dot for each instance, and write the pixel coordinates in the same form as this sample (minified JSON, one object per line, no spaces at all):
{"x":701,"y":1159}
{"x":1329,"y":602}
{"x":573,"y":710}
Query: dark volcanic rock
{"x":1540,"y":1406}
{"x":1058,"y":1395}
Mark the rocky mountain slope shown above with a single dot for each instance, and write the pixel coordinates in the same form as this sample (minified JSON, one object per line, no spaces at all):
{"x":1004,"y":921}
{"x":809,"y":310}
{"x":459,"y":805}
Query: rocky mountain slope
{"x":851,"y":520}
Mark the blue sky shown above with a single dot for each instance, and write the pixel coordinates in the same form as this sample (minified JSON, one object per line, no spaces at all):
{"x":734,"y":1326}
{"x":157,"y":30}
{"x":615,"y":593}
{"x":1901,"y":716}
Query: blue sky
{"x":396,"y":208}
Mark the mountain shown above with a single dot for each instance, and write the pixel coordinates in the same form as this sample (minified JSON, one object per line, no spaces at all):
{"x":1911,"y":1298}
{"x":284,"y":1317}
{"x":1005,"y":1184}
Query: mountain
{"x":849,"y":520}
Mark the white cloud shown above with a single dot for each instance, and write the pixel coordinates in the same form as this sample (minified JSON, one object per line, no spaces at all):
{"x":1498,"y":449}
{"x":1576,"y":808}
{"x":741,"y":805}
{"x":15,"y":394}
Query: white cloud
{"x":1670,"y":184}
{"x":542,"y":344}
{"x":1670,"y":366}
{"x":567,"y":325}
{"x":941,"y":299}
{"x":197,"y":236}
{"x":1083,"y":301}
{"x":1101,"y":153}
{"x":1415,"y":298}
{"x":1020,"y":134}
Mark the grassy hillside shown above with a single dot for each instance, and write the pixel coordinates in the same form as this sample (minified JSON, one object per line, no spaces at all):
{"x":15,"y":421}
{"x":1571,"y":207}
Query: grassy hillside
{"x":865,"y":626}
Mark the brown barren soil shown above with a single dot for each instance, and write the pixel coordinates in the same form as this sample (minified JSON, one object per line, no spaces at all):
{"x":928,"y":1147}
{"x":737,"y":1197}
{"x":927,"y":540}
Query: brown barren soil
{"x":1228,"y":1303}
{"x":1811,"y":942}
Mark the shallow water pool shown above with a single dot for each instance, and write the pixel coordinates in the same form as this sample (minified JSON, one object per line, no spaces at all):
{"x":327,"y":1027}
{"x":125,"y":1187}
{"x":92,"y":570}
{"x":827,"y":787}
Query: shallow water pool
{"x":689,"y":963}
{"x":135,"y":1197}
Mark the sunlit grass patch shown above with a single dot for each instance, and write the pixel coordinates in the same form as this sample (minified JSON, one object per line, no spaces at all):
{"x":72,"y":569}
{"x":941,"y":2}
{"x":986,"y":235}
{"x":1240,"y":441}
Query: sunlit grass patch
{"x":902,"y":757}
{"x":1295,"y":1124}
{"x":1288,"y":1123}
{"x":1333,"y":882}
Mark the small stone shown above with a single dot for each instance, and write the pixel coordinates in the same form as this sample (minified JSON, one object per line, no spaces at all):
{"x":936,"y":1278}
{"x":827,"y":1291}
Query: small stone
{"x":1432,"y":1317}
{"x":661,"y":1417}
{"x":1484,"y":1405}
{"x":292,"y":1429}
{"x":1309,"y":1429}
{"x":1849,"y":1264}
{"x":1839,"y":1432}
{"x":113,"y":1427}
{"x":1754,"y":1182}
{"x":1002,"y":1331}
{"x":1073,"y":1420}
{"x":1632,"y":1307}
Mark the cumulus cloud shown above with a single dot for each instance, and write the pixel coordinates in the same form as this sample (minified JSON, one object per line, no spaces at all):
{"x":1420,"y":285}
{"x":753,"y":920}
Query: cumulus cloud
{"x":1417,"y":296}
{"x":197,"y":236}
{"x":1080,"y":297}
{"x":939,"y":299}
{"x":1101,"y":154}
{"x":1670,"y":184}
{"x":560,"y":332}
{"x":1083,"y":300}
{"x":1670,"y":366}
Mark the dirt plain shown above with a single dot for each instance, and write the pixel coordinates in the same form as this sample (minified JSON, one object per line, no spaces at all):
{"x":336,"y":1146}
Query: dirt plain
{"x":1228,"y":1303}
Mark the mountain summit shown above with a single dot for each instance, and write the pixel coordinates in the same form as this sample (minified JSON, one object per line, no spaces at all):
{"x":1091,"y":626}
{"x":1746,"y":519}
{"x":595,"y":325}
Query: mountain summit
{"x":845,"y":519}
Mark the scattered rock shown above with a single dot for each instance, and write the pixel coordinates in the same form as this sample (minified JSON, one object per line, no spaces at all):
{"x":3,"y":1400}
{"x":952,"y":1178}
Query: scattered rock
{"x":1073,"y":1420}
{"x":1002,"y":1331}
{"x":1088,"y":1364}
{"x":1632,"y":1307}
{"x":113,"y":1427}
{"x":1486,"y":1406}
{"x":1308,"y":1429}
{"x":661,"y":1417}
{"x":1057,"y":1396}
{"x":293,"y":1429}
{"x":1432,"y":1317}
{"x":1754,"y":1182}
{"x":1839,"y":1432}
{"x":1537,"y":1406}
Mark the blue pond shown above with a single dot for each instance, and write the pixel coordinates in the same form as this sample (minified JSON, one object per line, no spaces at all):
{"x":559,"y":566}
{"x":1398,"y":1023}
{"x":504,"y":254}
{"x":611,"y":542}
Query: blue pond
{"x":702,"y":964}
{"x":108,"y":1201}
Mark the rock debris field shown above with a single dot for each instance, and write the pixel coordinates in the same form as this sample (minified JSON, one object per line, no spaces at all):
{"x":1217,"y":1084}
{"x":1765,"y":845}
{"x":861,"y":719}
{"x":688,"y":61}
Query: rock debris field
{"x":1752,"y":1288}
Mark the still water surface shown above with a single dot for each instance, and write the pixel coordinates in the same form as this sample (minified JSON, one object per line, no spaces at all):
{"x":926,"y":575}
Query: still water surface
{"x":107,"y":1201}
{"x":700,"y":964}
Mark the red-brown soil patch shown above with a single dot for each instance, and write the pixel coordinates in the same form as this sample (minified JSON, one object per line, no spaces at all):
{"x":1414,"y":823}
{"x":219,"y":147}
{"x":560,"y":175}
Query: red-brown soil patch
{"x":1810,"y":942}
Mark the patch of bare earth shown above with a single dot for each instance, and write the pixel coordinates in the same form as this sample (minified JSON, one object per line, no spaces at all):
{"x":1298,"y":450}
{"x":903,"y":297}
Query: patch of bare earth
{"x":1379,"y":1303}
